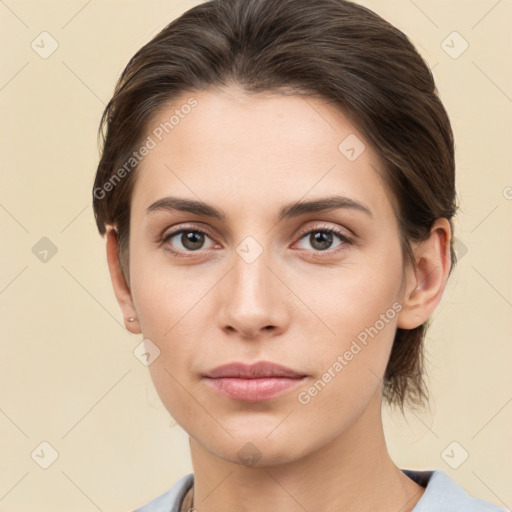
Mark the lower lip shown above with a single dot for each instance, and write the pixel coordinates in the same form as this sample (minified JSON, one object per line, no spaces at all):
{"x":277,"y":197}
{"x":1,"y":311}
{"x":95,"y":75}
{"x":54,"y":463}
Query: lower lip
{"x":254,"y":390}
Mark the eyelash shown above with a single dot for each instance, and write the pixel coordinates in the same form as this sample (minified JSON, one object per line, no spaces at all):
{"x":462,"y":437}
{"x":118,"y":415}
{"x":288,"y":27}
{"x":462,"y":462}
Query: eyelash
{"x":346,"y":240}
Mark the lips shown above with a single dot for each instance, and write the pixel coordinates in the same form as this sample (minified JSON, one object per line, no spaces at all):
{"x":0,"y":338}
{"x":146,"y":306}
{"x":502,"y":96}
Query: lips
{"x":257,"y":370}
{"x":253,"y":383}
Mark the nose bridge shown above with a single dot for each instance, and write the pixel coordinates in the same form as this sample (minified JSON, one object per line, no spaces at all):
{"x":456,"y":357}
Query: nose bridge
{"x":251,"y":293}
{"x":250,"y":276}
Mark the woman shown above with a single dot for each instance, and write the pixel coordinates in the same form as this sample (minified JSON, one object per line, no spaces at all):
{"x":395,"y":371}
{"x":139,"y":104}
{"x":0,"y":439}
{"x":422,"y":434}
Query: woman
{"x":277,"y":191}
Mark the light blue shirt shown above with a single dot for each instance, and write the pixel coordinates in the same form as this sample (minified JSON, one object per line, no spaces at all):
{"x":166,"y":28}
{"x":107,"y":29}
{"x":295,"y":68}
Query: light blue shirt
{"x":442,"y":494}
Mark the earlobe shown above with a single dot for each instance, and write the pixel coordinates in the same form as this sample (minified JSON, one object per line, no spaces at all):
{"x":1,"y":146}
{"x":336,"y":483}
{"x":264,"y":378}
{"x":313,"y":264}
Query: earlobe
{"x":121,"y":289}
{"x":425,"y":283}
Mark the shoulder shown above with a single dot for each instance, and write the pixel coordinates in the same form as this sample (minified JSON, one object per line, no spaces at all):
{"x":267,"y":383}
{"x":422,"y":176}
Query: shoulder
{"x":171,"y":499}
{"x":443,"y":494}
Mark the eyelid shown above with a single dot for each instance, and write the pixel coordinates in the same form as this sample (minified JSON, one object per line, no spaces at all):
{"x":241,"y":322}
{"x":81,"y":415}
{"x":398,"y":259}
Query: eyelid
{"x":344,"y":233}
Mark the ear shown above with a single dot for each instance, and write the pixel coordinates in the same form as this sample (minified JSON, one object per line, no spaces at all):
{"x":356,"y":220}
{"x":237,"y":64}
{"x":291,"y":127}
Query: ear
{"x":121,"y":288}
{"x":426,"y":279}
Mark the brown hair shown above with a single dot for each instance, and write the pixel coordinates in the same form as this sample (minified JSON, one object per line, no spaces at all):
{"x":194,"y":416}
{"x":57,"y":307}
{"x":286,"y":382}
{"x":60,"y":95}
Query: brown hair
{"x":332,"y":49}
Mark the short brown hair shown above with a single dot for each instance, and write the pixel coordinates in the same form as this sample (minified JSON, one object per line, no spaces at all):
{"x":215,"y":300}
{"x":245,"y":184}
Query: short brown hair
{"x":332,"y":49}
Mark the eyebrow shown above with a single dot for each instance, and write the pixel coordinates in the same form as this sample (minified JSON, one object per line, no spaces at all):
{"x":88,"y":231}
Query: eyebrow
{"x":295,"y":209}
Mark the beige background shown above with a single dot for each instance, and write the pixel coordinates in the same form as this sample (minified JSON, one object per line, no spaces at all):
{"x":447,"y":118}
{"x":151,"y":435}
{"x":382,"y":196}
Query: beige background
{"x":68,"y":376}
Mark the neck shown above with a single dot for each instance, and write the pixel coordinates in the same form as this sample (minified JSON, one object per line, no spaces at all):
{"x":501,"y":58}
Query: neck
{"x":352,"y":472}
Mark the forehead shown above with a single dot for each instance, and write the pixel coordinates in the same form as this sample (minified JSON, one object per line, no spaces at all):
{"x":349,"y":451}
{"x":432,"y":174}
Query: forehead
{"x":256,"y":150}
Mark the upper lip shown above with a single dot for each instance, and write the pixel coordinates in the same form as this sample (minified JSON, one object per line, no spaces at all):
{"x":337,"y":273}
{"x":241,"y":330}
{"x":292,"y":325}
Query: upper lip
{"x":252,"y":371}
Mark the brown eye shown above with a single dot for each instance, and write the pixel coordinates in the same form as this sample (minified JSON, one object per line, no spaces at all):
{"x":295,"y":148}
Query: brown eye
{"x":321,"y":240}
{"x":186,"y":240}
{"x":192,"y":240}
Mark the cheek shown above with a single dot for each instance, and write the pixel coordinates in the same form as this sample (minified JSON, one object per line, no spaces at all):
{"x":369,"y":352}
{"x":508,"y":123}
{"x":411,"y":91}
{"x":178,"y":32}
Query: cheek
{"x":360,"y":306}
{"x":170,"y":305}
{"x":355,"y":296}
{"x":351,"y":363}
{"x":165,"y":295}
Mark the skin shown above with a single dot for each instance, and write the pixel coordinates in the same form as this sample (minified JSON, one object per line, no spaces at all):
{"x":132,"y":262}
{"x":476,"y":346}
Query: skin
{"x":296,"y":304}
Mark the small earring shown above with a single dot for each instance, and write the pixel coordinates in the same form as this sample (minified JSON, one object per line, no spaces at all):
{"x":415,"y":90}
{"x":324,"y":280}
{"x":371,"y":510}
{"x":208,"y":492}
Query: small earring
{"x":131,"y":319}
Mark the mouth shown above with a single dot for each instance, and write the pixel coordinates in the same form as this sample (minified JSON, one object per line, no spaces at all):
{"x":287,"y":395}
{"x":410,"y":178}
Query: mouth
{"x":254,"y":390}
{"x":253,"y":383}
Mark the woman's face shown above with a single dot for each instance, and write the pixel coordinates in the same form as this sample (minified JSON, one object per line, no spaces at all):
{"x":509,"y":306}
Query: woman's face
{"x":265,"y":282}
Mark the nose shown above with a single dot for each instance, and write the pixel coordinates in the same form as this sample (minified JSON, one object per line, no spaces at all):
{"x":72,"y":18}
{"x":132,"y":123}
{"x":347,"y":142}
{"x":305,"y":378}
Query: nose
{"x":253,"y":300}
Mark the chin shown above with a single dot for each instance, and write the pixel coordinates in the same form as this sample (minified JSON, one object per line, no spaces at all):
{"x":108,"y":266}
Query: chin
{"x":255,"y":447}
{"x":260,"y":453}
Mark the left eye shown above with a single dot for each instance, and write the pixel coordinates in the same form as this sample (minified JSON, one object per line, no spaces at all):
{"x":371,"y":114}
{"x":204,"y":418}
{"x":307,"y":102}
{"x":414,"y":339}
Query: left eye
{"x":322,"y":239}
{"x":190,"y":239}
